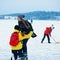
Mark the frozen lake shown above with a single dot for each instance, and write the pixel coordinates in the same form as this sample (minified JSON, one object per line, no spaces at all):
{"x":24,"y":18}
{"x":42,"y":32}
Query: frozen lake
{"x":36,"y":50}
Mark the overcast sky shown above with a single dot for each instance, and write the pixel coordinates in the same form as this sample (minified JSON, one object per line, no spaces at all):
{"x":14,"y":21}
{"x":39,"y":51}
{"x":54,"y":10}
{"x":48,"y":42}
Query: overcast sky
{"x":21,"y":6}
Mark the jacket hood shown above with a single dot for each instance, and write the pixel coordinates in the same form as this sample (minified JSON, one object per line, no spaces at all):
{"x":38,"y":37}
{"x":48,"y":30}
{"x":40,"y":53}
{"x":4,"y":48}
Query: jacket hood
{"x":16,"y":30}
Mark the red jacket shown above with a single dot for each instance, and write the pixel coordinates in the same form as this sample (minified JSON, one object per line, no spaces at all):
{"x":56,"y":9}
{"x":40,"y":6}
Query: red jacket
{"x":47,"y":31}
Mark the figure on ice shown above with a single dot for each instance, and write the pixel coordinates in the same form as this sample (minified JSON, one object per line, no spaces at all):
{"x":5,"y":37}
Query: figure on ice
{"x":47,"y":33}
{"x":16,"y":42}
{"x":25,"y":28}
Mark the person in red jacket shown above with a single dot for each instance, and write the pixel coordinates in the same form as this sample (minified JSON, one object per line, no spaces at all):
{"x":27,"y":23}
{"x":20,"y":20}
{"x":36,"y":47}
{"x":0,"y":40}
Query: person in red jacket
{"x":47,"y":33}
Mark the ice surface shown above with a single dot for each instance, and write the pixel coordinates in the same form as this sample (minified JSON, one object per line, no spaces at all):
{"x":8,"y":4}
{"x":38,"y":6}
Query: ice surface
{"x":36,"y":50}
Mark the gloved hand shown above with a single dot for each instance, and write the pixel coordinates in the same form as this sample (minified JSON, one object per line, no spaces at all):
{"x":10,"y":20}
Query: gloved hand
{"x":23,"y":33}
{"x":33,"y":35}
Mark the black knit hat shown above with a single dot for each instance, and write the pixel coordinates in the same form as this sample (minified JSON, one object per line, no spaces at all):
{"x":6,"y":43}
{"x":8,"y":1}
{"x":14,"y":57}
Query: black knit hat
{"x":21,"y":16}
{"x":16,"y":27}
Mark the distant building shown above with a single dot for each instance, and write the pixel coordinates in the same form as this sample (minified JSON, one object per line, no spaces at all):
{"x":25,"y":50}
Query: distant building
{"x":57,"y":17}
{"x":10,"y":17}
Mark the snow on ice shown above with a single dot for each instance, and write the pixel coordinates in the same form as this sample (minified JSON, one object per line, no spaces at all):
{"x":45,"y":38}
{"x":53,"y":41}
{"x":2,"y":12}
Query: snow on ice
{"x":36,"y":50}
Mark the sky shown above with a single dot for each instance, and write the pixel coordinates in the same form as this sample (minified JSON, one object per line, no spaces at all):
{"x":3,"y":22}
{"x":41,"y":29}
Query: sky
{"x":23,"y":6}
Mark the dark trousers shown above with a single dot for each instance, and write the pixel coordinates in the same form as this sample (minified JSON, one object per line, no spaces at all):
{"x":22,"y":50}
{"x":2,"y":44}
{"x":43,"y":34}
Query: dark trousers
{"x":24,"y":49}
{"x":47,"y":37}
{"x":17,"y":53}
